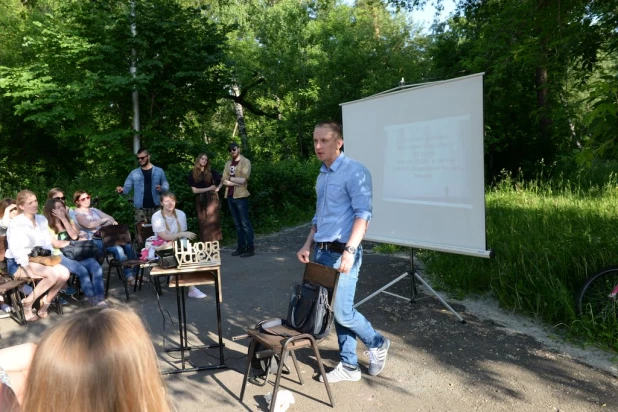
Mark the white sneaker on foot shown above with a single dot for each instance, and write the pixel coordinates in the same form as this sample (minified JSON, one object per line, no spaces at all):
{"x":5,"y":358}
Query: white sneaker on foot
{"x":196,"y":293}
{"x":377,"y":357}
{"x":340,"y":374}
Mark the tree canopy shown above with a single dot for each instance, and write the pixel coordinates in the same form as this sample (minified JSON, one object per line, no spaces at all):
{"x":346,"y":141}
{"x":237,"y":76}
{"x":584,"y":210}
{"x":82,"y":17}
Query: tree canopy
{"x":266,"y":71}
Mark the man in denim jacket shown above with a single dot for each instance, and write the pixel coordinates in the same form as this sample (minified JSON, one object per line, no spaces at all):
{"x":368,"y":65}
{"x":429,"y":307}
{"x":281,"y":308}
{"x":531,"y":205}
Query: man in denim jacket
{"x":149,"y":176}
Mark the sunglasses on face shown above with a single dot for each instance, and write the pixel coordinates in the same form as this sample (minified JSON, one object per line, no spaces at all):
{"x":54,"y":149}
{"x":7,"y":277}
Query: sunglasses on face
{"x":81,"y":199}
{"x":63,"y":198}
{"x":142,"y":157}
{"x":232,"y":150}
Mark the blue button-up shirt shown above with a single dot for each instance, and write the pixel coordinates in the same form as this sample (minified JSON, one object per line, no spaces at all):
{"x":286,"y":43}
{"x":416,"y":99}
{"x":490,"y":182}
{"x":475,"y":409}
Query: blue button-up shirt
{"x":135,"y":181}
{"x":344,"y":193}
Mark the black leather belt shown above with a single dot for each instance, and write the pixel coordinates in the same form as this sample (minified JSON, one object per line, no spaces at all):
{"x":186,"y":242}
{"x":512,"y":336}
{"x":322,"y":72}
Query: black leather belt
{"x":335,"y":246}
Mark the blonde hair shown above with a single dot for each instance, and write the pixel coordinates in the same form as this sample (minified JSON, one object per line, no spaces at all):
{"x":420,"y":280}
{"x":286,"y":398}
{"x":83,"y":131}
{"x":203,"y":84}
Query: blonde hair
{"x":172,"y":196}
{"x":99,"y":360}
{"x":21,"y":198}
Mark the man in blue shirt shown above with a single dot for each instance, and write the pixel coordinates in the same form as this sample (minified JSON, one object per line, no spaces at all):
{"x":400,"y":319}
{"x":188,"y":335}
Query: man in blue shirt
{"x":343,"y":211}
{"x":148,"y":182}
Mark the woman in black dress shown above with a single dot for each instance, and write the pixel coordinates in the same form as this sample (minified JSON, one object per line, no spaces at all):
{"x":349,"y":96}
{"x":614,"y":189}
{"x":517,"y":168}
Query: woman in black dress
{"x":206,"y":183}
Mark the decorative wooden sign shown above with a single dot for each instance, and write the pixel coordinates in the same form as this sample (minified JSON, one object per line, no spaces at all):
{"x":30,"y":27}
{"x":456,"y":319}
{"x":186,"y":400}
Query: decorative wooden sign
{"x":197,"y":254}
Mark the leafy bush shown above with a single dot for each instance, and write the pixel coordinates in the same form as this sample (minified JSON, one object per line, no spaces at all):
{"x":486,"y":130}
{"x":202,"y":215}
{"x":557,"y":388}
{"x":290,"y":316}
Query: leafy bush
{"x":548,"y":238}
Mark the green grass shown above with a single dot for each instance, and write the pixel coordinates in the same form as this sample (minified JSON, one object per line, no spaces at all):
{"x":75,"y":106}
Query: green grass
{"x":548,"y":238}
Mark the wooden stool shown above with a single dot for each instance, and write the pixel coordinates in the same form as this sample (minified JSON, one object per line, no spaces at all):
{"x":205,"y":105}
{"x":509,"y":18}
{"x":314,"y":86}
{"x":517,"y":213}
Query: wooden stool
{"x":9,"y":288}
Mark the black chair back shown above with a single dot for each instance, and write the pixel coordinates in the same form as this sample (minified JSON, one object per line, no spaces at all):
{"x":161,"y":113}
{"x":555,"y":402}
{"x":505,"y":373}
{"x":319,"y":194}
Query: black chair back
{"x":115,"y":235}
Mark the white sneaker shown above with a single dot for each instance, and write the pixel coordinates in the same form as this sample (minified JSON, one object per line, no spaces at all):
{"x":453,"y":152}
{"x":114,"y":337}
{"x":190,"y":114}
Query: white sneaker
{"x":377,"y":357}
{"x":196,"y":293}
{"x":340,"y":374}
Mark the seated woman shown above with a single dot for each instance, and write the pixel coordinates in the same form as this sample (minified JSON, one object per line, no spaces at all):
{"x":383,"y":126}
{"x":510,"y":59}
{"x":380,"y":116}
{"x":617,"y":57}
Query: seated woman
{"x":8,"y":210}
{"x":63,"y":230}
{"x":26,"y":231}
{"x":170,"y":224}
{"x":98,"y":360}
{"x":91,"y":220}
{"x":58,"y":194}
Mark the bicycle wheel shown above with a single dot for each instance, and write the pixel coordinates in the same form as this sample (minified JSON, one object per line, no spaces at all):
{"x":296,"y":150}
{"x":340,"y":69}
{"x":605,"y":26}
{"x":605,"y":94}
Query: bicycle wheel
{"x":597,"y":298}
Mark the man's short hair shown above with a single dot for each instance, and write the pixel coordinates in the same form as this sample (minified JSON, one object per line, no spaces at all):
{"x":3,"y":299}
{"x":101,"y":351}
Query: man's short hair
{"x":142,"y":150}
{"x":332,"y":126}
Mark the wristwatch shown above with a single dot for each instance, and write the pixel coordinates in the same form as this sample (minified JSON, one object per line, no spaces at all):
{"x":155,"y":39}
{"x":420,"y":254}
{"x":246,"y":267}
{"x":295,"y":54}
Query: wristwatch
{"x":350,"y":249}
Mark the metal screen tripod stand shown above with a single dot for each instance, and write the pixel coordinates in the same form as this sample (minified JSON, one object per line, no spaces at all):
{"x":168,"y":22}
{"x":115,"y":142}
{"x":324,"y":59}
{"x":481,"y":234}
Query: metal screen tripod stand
{"x":414,"y":291}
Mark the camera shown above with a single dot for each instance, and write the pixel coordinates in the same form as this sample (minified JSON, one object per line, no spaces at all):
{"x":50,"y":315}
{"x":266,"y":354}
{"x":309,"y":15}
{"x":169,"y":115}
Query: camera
{"x":39,"y":251}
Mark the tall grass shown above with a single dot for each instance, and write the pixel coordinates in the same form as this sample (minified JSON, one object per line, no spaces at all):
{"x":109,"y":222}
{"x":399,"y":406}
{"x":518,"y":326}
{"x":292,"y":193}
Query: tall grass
{"x":548,"y":236}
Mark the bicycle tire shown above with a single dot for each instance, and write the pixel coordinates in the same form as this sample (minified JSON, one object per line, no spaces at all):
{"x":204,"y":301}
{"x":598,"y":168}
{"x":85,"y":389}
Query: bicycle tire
{"x":594,"y":296}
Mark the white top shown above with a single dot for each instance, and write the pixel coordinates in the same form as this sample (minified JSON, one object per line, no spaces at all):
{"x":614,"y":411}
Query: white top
{"x":158,"y":222}
{"x":23,"y":236}
{"x":91,"y":215}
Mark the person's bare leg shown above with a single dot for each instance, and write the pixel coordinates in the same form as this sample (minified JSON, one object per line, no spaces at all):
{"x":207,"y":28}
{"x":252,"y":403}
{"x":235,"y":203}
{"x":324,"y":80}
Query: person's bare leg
{"x":16,"y":360}
{"x":52,"y":280}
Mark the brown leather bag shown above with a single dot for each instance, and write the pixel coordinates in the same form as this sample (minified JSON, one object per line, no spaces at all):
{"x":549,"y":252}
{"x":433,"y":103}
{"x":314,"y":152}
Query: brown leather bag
{"x":52,"y":260}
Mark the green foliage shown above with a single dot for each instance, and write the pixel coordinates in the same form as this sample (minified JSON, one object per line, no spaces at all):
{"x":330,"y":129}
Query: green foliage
{"x":548,"y":237}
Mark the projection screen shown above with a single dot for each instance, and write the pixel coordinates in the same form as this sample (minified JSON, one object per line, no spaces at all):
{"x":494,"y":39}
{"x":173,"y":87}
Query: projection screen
{"x":424,"y":149}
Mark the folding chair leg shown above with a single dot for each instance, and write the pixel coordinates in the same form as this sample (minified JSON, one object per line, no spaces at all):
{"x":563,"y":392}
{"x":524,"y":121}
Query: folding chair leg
{"x":109,"y":275}
{"x":58,"y":305}
{"x":273,"y":400}
{"x":124,"y":282}
{"x":323,"y":373}
{"x":18,"y":307}
{"x":249,"y":357}
{"x":138,"y":279}
{"x":300,"y":377}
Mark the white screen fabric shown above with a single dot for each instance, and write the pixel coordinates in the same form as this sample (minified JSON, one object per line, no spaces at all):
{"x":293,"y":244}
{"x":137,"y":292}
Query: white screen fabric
{"x":424,"y":149}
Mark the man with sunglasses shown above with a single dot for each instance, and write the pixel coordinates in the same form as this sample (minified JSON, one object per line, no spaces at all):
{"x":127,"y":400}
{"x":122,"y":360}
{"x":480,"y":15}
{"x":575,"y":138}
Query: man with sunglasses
{"x":147,"y":182}
{"x":235,"y":177}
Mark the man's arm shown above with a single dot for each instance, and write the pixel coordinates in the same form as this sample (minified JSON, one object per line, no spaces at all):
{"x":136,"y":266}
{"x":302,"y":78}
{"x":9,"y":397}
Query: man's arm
{"x":128,"y":185}
{"x":165,"y":186}
{"x":242,"y":173}
{"x":305,"y":252}
{"x":358,"y":233}
{"x":225,"y":180}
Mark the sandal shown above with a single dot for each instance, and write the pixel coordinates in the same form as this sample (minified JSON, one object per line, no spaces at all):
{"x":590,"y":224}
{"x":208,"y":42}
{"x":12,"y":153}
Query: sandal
{"x":44,"y":305}
{"x":28,"y":314}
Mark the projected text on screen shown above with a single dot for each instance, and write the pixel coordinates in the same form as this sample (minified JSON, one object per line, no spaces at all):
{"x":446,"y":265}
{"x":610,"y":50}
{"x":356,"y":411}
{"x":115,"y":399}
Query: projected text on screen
{"x":427,"y":162}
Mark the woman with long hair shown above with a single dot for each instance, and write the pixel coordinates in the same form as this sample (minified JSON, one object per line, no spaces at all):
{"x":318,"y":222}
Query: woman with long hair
{"x":63,"y":230}
{"x":205,"y":184}
{"x":98,"y":360}
{"x":27,"y":230}
{"x":8,"y":210}
{"x":170,"y":224}
{"x":91,"y":220}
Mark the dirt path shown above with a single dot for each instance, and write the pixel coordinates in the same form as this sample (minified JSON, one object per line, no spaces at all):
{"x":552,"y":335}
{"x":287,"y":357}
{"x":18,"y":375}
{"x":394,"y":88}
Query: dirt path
{"x":494,"y":362}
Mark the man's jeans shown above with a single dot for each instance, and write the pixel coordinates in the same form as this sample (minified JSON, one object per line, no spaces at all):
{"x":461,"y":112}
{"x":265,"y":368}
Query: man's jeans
{"x":239,"y":208}
{"x":84,"y":269}
{"x":349,"y":323}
